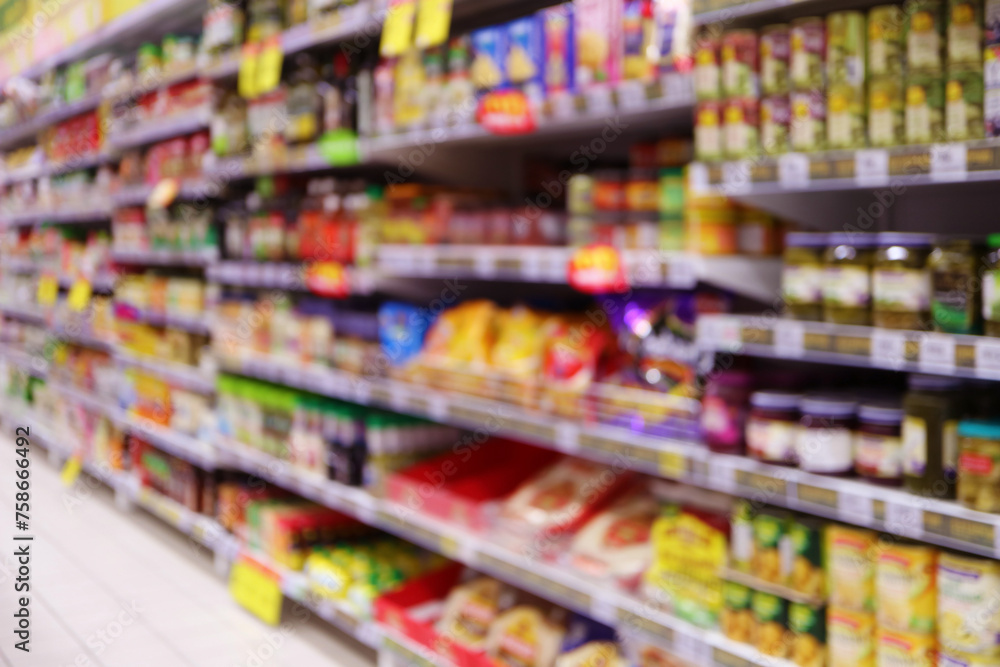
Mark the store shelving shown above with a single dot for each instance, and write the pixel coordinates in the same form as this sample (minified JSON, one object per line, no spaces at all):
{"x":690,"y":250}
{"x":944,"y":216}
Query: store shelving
{"x":101,"y":282}
{"x":160,"y":129}
{"x":184,"y":376}
{"x":62,"y":216}
{"x":27,"y":130}
{"x":35,"y":170}
{"x":26,"y":313}
{"x":189,"y":323}
{"x":166,"y":257}
{"x":265,"y":275}
{"x":138,"y":195}
{"x":288,"y":160}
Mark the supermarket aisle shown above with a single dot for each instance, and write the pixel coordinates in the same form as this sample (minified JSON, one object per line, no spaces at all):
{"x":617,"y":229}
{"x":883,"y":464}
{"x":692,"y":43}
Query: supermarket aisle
{"x":117,"y":590}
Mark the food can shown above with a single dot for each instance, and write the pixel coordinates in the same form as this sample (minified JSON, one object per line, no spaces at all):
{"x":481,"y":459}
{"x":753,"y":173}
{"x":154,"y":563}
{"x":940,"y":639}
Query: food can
{"x":774,"y":54}
{"x":737,"y":617}
{"x":967,"y":621}
{"x":924,"y":109}
{"x":963,"y":116}
{"x":885,"y":40}
{"x":807,"y":131}
{"x":903,"y":648}
{"x":808,"y":627}
{"x":885,"y":112}
{"x":770,"y":615}
{"x":905,"y":588}
{"x":739,"y":63}
{"x":965,"y":35}
{"x":845,"y":116}
{"x":807,"y":39}
{"x":845,"y":48}
{"x":850,"y":568}
{"x":991,"y":112}
{"x":850,"y":637}
{"x":925,"y":37}
{"x":807,"y":574}
{"x":708,"y":130}
{"x":740,"y":125}
{"x":775,"y":118}
{"x":707,"y":70}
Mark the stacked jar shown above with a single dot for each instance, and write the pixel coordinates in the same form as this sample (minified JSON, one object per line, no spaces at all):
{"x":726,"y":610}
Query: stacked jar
{"x":979,"y":465}
{"x":991,"y":78}
{"x":925,"y":72}
{"x":802,"y":275}
{"x":933,"y":408}
{"x":807,"y":131}
{"x":845,"y":70}
{"x":885,"y":69}
{"x":901,"y":281}
{"x":775,"y":106}
{"x":964,"y":87}
{"x":847,"y":278}
{"x":740,"y":92}
{"x":708,"y":93}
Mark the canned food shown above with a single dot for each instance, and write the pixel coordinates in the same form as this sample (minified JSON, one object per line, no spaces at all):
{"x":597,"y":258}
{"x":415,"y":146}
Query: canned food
{"x":904,"y":648}
{"x":807,"y":131}
{"x":991,"y":112}
{"x":885,"y":112}
{"x":845,"y":116}
{"x":885,"y":40}
{"x":966,"y":618}
{"x":850,"y":638}
{"x":808,"y":627}
{"x":707,"y":85}
{"x":774,"y":53}
{"x":965,"y":36}
{"x":807,"y":38}
{"x":925,"y":36}
{"x":739,"y":63}
{"x":924,"y":109}
{"x":845,"y":47}
{"x":775,"y":117}
{"x":963,"y":117}
{"x":991,"y":65}
{"x":741,"y":123}
{"x":708,"y":131}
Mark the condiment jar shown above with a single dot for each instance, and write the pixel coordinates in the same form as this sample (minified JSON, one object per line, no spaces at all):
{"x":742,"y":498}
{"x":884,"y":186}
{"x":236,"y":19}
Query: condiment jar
{"x":609,"y":190}
{"x":847,"y":278}
{"x":878,"y":445}
{"x":901,"y":281}
{"x":802,"y":275}
{"x":772,"y":426}
{"x":991,"y":293}
{"x":955,"y":299}
{"x":825,"y":440}
{"x":979,"y":465}
{"x":724,"y":410}
{"x":932,"y":409}
{"x":642,"y":190}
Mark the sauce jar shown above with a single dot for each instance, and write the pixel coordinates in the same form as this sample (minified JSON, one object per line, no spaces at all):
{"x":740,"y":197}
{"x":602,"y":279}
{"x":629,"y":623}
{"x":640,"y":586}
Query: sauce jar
{"x":847,"y":278}
{"x":772,"y":426}
{"x":609,"y":190}
{"x":641,"y":190}
{"x":991,"y":295}
{"x":955,"y":301}
{"x":932,"y":409}
{"x":878,"y":444}
{"x":724,"y":410}
{"x":802,"y":275}
{"x":825,"y":440}
{"x":979,"y":465}
{"x":901,"y":281}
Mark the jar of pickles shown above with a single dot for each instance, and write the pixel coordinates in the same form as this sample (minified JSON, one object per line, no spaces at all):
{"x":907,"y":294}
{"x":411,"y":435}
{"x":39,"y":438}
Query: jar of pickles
{"x":802,"y":275}
{"x":824,"y":443}
{"x":772,"y":426}
{"x":878,"y":444}
{"x":847,"y":278}
{"x":955,"y":300}
{"x":979,"y":465}
{"x":991,"y":292}
{"x":901,"y":281}
{"x":933,"y":406}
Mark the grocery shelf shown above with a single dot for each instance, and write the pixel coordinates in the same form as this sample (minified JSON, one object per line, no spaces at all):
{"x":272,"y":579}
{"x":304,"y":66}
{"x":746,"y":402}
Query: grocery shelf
{"x":288,"y":160}
{"x":182,"y":375}
{"x":166,"y":257}
{"x":26,"y":313}
{"x":35,"y":170}
{"x":66,"y":332}
{"x":203,"y":529}
{"x":265,"y":275}
{"x":852,"y":501}
{"x":160,"y":129}
{"x":102,"y":282}
{"x":866,"y":347}
{"x":138,"y":195}
{"x":64,"y":216}
{"x":190,"y":323}
{"x":26,"y":131}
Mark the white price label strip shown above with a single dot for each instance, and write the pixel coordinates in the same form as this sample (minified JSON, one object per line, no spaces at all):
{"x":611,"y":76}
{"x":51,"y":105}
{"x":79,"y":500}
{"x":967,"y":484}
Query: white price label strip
{"x":789,"y":338}
{"x":631,"y":95}
{"x":723,"y":332}
{"x":567,"y":437}
{"x":937,"y":350}
{"x":603,"y":610}
{"x":948,"y":160}
{"x":988,"y":356}
{"x":871,"y":167}
{"x":736,"y":177}
{"x":905,"y":520}
{"x":855,"y":508}
{"x":698,"y":178}
{"x":721,"y":475}
{"x":793,"y":171}
{"x":888,"y":348}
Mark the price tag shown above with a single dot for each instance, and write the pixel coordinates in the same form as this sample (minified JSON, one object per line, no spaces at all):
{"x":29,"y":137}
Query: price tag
{"x":567,"y":437}
{"x":681,"y":273}
{"x":257,"y":589}
{"x":736,"y":177}
{"x":598,"y":100}
{"x":871,"y":167}
{"x":793,"y":171}
{"x":339,"y":147}
{"x":720,"y":331}
{"x":905,"y":520}
{"x":888,"y":348}
{"x":437,"y":407}
{"x":328,"y":279}
{"x":597,"y":269}
{"x":399,"y":398}
{"x":485,"y":262}
{"x":721,"y":475}
{"x":397,"y":32}
{"x":48,"y":290}
{"x":631,"y":95}
{"x":433,"y":22}
{"x":363,"y":392}
{"x":855,"y":508}
{"x":948,"y":160}
{"x":505,"y":112}
{"x":246,"y":81}
{"x":988,"y":355}
{"x":268,"y":70}
{"x":672,"y":464}
{"x":562,"y":105}
{"x":79,"y":295}
{"x":603,"y":610}
{"x":937,"y":350}
{"x":789,"y":338}
{"x":698,"y":178}
{"x":71,"y":470}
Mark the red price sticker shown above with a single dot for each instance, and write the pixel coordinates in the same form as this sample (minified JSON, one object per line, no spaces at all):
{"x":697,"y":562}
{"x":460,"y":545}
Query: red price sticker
{"x":597,"y":269}
{"x":506,"y":112}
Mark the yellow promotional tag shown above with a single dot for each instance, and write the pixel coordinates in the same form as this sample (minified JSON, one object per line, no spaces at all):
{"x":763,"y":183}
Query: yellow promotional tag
{"x":397,"y":33}
{"x":246,"y":83}
{"x":79,"y":295}
{"x":433,"y":23}
{"x":71,"y":470}
{"x":673,"y":465}
{"x":256,"y":589}
{"x":269,"y":62}
{"x":48,"y":290}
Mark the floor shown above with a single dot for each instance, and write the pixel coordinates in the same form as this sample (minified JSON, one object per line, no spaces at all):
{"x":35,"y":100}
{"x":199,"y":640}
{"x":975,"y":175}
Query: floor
{"x":116,"y":589}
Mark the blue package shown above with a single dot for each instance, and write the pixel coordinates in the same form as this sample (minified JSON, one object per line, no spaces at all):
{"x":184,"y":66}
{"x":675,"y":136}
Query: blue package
{"x":489,"y":46}
{"x":525,"y":56}
{"x":581,"y":630}
{"x":401,"y":331}
{"x":560,"y":45}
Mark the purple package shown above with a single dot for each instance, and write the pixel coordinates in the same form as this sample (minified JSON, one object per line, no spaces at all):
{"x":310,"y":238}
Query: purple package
{"x":559,"y":44}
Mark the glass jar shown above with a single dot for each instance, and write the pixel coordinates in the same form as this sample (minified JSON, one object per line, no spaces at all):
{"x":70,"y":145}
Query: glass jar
{"x":901,"y":281}
{"x":802,"y":275}
{"x":642,"y":190}
{"x":847,"y":278}
{"x":772,"y":425}
{"x":932,"y":408}
{"x":955,"y":301}
{"x":991,"y":294}
{"x":979,"y":465}
{"x":609,"y":190}
{"x":724,"y":411}
{"x":825,"y":440}
{"x":878,"y":444}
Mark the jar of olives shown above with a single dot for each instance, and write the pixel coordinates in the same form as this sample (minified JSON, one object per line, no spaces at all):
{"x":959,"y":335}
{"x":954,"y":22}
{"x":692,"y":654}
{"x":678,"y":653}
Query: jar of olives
{"x":901,"y":281}
{"x":979,"y":465}
{"x":802,"y":275}
{"x":847,"y":278}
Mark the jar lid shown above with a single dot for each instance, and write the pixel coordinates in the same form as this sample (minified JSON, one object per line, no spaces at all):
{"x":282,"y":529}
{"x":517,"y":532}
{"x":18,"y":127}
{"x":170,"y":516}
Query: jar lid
{"x":906,"y":239}
{"x":858,"y":240}
{"x":881,"y":413}
{"x":830,"y":406}
{"x":974,"y":428}
{"x":933,"y":382}
{"x":776,"y":400}
{"x":808,"y":239}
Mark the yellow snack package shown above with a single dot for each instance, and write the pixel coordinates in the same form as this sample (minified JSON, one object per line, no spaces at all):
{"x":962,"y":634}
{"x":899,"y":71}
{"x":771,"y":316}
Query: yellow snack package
{"x":904,"y":649}
{"x":967,"y":592}
{"x":850,"y":568}
{"x":905,"y":588}
{"x":850,"y":638}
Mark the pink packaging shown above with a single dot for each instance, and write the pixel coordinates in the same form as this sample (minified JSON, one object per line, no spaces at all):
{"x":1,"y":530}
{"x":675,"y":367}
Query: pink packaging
{"x":599,"y":44}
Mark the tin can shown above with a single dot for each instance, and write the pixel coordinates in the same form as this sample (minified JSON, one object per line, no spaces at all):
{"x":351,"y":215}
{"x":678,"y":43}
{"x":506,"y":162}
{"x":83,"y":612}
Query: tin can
{"x":924,"y":109}
{"x":845,"y":48}
{"x":741,"y":126}
{"x":965,"y":34}
{"x":807,"y":131}
{"x":775,"y":118}
{"x":739,"y":63}
{"x":963,"y":115}
{"x":770,"y":615}
{"x":774,"y":54}
{"x":708,"y":131}
{"x":807,"y":38}
{"x":808,"y":627}
{"x":707,"y":70}
{"x":845,"y":116}
{"x":885,"y":40}
{"x":925,"y":37}
{"x":886,"y":112}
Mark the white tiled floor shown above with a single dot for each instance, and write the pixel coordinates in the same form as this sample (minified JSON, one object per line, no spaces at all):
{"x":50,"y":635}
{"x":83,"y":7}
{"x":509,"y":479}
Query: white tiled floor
{"x":111,"y":589}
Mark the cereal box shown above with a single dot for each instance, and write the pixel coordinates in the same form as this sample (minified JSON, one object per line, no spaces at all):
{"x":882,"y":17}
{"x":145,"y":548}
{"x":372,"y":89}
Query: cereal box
{"x":598,"y":25}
